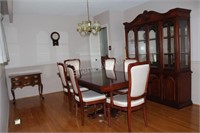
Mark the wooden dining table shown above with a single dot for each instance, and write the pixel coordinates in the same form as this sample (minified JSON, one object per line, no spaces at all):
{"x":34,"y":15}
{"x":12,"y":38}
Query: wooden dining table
{"x":103,"y":81}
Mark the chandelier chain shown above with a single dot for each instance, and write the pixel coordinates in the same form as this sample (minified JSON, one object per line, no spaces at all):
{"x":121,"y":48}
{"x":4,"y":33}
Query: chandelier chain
{"x":85,"y":28}
{"x":88,"y":13}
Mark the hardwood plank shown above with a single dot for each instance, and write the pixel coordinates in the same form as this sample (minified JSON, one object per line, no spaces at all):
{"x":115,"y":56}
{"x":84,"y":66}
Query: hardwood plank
{"x":52,"y":115}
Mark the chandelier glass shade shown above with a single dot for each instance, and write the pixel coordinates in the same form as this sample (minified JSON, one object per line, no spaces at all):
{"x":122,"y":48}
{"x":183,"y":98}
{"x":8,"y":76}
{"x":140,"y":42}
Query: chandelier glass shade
{"x":85,"y":28}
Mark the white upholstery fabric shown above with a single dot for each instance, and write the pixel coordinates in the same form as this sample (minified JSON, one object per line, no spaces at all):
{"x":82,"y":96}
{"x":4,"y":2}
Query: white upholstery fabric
{"x":139,"y":75}
{"x":124,"y":90}
{"x":109,"y":64}
{"x":127,"y":62}
{"x":89,"y":96}
{"x":110,"y":74}
{"x":62,"y":75}
{"x":66,"y":90}
{"x":76,"y":64}
{"x":72,"y":78}
{"x":121,"y":100}
{"x":71,"y":89}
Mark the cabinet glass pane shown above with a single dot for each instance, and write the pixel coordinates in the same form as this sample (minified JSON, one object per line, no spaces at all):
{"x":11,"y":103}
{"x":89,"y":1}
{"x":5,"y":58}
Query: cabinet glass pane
{"x":142,"y":44}
{"x":131,"y":44}
{"x":184,"y":44}
{"x":153,"y":46}
{"x":168,"y":45}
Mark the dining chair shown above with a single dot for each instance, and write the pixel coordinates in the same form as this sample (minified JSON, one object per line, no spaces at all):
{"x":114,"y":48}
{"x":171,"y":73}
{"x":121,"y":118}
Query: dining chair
{"x":135,"y":98}
{"x":127,"y":62}
{"x":85,"y":98}
{"x":110,"y":64}
{"x":74,"y":62}
{"x":110,"y":74}
{"x":125,"y":69}
{"x":67,"y":88}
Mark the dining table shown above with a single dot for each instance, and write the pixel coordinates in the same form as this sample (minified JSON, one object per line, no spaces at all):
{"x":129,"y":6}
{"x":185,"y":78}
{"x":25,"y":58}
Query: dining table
{"x":103,"y":81}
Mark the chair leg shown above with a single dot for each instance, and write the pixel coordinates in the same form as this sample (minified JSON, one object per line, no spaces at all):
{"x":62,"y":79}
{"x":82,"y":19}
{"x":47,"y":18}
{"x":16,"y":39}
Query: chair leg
{"x":82,"y":114}
{"x":129,"y":119}
{"x":76,"y":109}
{"x":95,"y":109}
{"x":109,"y":115}
{"x":69,"y":100}
{"x":145,"y":115}
{"x":104,"y":106}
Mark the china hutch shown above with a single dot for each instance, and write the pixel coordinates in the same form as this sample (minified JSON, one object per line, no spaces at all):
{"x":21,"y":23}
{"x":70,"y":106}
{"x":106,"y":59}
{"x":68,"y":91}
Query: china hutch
{"x":163,"y":39}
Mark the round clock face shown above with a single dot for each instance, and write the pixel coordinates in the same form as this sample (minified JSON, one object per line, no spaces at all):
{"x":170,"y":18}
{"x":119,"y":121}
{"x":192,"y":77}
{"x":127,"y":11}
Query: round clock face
{"x":55,"y":35}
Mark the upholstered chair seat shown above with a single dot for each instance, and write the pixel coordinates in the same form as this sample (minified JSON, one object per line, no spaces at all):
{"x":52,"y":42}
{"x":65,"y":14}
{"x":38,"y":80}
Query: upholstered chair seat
{"x":71,"y":89}
{"x":89,"y":96}
{"x":121,"y":100}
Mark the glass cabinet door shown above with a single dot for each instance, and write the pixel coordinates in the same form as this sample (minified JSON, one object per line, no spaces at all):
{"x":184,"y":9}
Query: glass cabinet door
{"x":131,"y":44}
{"x":184,"y":43}
{"x":168,"y":45}
{"x":142,"y":54}
{"x":153,"y":45}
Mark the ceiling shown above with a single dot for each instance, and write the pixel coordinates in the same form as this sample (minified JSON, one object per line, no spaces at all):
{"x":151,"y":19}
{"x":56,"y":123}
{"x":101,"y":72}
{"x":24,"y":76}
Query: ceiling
{"x":71,"y":7}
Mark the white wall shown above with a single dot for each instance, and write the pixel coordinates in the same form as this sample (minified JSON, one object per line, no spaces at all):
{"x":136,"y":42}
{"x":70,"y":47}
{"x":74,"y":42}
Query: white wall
{"x":30,"y":48}
{"x":30,"y":44}
{"x":117,"y":40}
{"x":114,"y":21}
{"x":165,"y":5}
{"x":4,"y":101}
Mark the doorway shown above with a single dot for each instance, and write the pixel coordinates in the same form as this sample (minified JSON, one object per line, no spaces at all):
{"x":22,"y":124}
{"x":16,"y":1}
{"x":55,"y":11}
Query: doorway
{"x":103,"y":38}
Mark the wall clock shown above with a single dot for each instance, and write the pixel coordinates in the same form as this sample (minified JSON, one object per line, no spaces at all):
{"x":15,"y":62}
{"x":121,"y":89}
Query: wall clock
{"x":55,"y":36}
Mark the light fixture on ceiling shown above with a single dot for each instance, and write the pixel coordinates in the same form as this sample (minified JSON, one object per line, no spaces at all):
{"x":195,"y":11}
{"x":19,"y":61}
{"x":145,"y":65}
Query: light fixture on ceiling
{"x":85,"y":28}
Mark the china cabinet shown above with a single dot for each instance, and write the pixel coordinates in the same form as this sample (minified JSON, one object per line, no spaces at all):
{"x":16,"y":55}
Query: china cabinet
{"x":163,"y":39}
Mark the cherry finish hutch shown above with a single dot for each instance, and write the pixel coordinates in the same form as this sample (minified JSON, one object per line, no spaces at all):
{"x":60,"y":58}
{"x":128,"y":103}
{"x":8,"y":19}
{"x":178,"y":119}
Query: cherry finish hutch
{"x":163,"y":39}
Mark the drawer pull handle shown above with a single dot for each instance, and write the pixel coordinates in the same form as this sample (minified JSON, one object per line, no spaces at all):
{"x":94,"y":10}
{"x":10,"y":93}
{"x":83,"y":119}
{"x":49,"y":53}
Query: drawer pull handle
{"x":35,"y":76}
{"x":26,"y":77}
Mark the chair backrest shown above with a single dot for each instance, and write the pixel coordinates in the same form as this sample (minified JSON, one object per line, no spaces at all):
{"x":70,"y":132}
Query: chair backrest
{"x":138,"y":74}
{"x":73,"y":79}
{"x":74,"y":62}
{"x":110,"y":63}
{"x":62,"y":73}
{"x":110,"y":74}
{"x":127,"y":62}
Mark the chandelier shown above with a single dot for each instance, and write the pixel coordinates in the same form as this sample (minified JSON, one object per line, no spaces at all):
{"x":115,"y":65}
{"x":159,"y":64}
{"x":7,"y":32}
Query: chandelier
{"x":85,"y":28}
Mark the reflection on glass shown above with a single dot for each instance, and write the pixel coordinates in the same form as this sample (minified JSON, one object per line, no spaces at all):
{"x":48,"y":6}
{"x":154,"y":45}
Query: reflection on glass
{"x":153,"y":46}
{"x":184,"y":44}
{"x":110,"y":74}
{"x":126,"y":76}
{"x":131,"y":44}
{"x":168,"y":44}
{"x":142,"y":44}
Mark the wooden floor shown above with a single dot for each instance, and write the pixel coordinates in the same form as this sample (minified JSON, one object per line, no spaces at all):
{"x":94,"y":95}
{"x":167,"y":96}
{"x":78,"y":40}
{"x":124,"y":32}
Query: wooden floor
{"x":52,"y":115}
